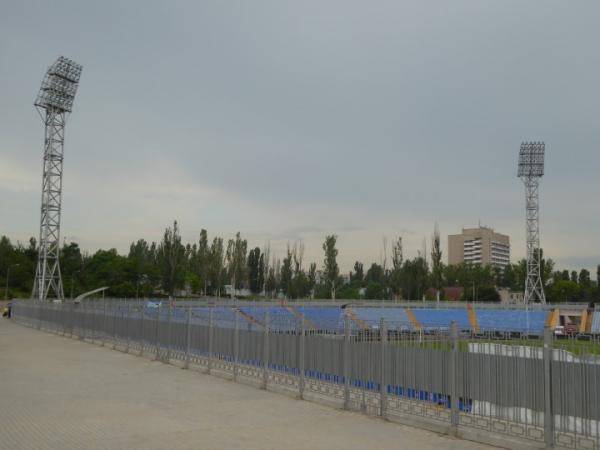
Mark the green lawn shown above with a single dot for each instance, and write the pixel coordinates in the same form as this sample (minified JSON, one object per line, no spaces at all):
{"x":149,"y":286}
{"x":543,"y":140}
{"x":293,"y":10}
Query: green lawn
{"x":579,"y":347}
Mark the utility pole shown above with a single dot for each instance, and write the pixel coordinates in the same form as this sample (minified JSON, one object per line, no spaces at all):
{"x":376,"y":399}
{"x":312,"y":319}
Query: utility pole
{"x":7,"y":278}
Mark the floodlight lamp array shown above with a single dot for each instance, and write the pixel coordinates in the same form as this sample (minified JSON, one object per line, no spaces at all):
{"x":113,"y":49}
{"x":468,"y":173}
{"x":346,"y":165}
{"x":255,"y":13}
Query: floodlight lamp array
{"x":59,"y":85}
{"x":531,"y":159}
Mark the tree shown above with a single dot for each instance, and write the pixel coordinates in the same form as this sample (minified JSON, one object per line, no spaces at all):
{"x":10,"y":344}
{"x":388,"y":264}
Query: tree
{"x":509,"y":278}
{"x":170,"y":256}
{"x":546,"y":267}
{"x":255,"y":270}
{"x":358,"y":274}
{"x":261,"y":272}
{"x":236,"y":261}
{"x":142,"y":265}
{"x":397,"y":262}
{"x":71,"y":265}
{"x":312,"y":278}
{"x":584,"y":278}
{"x":414,"y":277}
{"x":375,"y":274}
{"x":271,"y":282}
{"x":217,"y":265}
{"x":564,"y":291}
{"x":436,"y":262}
{"x":374,"y":291}
{"x":331,"y":271}
{"x":397,"y":254}
{"x":488,"y":294}
{"x":203,"y":259}
{"x":287,"y":273}
{"x":266,"y":267}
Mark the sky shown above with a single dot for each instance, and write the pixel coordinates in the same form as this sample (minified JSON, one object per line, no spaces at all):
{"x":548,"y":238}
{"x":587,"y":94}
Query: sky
{"x":290,"y":120}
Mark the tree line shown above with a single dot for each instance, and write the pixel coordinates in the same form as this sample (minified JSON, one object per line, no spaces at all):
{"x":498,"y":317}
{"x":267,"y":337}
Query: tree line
{"x":214,"y":266}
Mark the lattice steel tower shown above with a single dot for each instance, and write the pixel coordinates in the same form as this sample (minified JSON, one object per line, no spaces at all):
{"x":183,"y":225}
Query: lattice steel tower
{"x":56,"y":97}
{"x":531,"y":169}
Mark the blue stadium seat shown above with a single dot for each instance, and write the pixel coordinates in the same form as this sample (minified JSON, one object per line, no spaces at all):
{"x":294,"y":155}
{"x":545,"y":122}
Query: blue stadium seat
{"x":222,"y":316}
{"x":396,"y":318}
{"x":518,"y":321}
{"x":325,"y":319}
{"x":280,"y":319}
{"x":441,"y":318}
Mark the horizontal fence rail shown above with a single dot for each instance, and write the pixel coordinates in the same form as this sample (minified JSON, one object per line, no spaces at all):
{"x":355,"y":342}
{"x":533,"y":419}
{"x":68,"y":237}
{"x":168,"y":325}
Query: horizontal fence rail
{"x":542,"y":390}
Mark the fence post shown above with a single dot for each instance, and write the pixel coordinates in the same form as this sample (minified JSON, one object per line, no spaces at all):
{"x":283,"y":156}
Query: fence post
{"x":236,"y":344}
{"x":454,"y":375}
{"x":83,"y":314}
{"x":128,"y":328}
{"x":266,"y":352}
{"x":63,"y":317}
{"x":383,"y":394}
{"x":346,"y":361}
{"x":114,"y":321}
{"x":188,"y":336}
{"x":71,"y":319}
{"x":210,"y":339}
{"x":39,"y":324}
{"x":169,"y":318}
{"x":104,"y":323}
{"x":301,"y":350}
{"x":156,"y":325}
{"x":548,"y":413}
{"x":142,"y":331}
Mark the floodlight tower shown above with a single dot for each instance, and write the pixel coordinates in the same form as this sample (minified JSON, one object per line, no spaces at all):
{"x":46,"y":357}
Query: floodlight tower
{"x":56,"y":97}
{"x":531,"y":169}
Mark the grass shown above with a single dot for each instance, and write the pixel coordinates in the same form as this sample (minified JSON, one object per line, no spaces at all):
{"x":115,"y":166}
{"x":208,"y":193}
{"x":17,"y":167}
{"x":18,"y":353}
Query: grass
{"x":578,"y":347}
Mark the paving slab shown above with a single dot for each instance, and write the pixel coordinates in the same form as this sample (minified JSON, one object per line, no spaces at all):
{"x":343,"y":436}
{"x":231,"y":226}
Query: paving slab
{"x":61,"y":393}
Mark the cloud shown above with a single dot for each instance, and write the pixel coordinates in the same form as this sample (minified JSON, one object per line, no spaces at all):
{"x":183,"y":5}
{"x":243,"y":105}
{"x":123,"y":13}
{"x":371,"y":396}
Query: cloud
{"x":14,"y":177}
{"x":291,"y":121}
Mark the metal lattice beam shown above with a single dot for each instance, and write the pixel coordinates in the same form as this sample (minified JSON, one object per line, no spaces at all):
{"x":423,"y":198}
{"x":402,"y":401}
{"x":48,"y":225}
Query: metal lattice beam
{"x":531,"y":169}
{"x":56,"y":97}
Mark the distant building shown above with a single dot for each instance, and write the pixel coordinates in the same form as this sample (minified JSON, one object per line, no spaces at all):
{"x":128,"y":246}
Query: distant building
{"x":451,"y":293}
{"x":511,"y":297}
{"x":243,"y":292}
{"x":479,"y":246}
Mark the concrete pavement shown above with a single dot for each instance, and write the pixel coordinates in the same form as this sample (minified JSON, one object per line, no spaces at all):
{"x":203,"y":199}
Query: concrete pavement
{"x":59,"y":393}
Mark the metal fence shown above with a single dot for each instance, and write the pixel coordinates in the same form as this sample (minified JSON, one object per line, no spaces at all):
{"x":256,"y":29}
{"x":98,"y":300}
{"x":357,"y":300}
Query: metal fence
{"x":487,"y":386}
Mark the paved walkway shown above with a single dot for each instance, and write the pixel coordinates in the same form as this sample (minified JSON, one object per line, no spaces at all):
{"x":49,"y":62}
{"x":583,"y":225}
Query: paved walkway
{"x":58,"y":393}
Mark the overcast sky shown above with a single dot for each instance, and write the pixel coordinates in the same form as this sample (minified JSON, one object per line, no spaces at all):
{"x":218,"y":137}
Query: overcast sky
{"x":292,"y":120}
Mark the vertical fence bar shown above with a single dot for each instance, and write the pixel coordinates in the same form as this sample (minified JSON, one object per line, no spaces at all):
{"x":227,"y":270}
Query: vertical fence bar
{"x":104,"y":323}
{"x":169,"y":318}
{"x":454,"y":375}
{"x":128,"y":328}
{"x":114,"y":321}
{"x":63,"y":317}
{"x":383,"y":400}
{"x":210,"y":339}
{"x":83,"y":314}
{"x":548,"y":413}
{"x":156,"y":346}
{"x":236,"y":344}
{"x":188,"y":337}
{"x":301,"y":358}
{"x":266,"y":352}
{"x":71,"y":319}
{"x":142,"y":331}
{"x":346,"y":361}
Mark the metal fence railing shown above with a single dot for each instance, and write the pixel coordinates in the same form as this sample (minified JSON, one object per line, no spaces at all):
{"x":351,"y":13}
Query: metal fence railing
{"x":480,"y":385}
